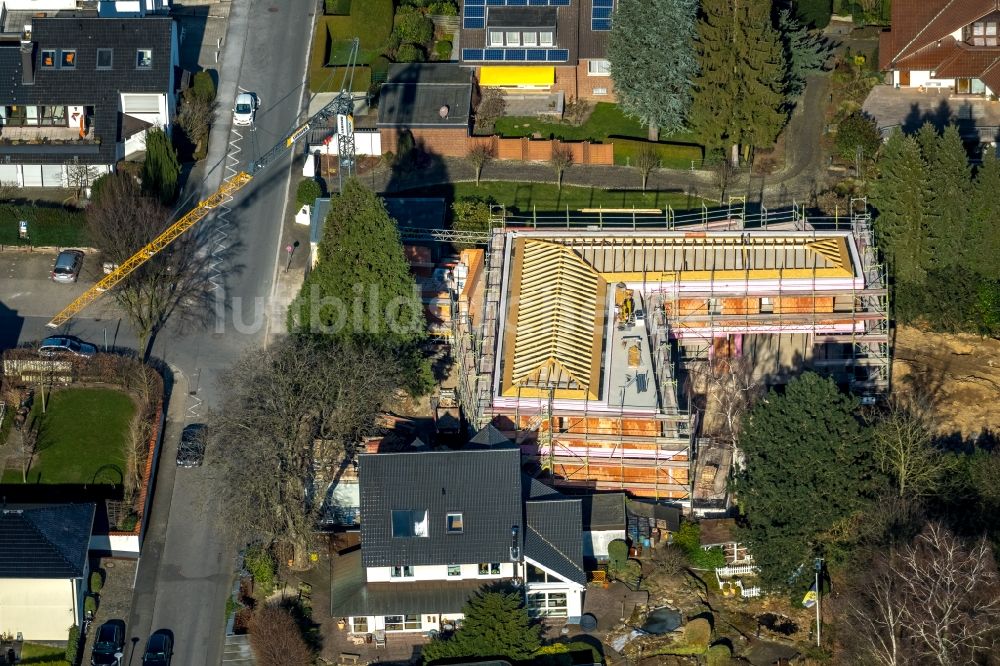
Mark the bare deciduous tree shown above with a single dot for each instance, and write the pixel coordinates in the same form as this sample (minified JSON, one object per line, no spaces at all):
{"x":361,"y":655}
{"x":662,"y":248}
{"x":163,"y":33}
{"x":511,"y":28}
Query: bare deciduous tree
{"x":645,"y":161}
{"x":276,"y":639}
{"x":276,"y":403}
{"x":935,"y":600}
{"x":121,"y":221}
{"x":81,"y":176}
{"x":904,"y":448}
{"x":136,"y":450}
{"x":732,"y":389}
{"x":562,"y":158}
{"x":479,"y":156}
{"x":195,"y":118}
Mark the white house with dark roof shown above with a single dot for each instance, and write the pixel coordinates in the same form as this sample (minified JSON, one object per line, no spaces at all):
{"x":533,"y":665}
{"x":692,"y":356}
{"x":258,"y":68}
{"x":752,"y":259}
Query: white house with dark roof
{"x":43,"y":568}
{"x":78,"y":94}
{"x":436,"y":526}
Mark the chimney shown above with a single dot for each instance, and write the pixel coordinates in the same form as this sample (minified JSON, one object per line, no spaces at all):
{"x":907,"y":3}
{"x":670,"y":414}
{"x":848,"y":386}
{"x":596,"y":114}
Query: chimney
{"x":27,"y":57}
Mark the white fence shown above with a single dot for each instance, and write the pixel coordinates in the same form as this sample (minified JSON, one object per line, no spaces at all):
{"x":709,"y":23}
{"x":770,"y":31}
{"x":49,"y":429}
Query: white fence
{"x":736,"y":570}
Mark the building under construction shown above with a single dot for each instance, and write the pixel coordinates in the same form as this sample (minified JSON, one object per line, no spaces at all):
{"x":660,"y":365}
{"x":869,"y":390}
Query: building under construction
{"x":577,"y":342}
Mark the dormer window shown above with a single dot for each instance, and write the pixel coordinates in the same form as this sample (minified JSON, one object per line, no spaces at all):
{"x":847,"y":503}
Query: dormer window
{"x":67,"y":59}
{"x":409,"y":523}
{"x":983,"y":33}
{"x":48,"y":58}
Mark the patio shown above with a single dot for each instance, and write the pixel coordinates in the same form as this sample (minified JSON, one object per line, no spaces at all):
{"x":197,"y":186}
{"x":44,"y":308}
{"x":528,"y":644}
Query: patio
{"x":910,"y":108}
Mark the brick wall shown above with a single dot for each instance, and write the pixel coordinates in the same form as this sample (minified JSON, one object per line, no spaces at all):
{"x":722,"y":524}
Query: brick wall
{"x":444,"y":142}
{"x":456,"y":143}
{"x":575,"y":83}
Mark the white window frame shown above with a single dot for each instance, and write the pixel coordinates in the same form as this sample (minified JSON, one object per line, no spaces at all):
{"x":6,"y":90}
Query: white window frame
{"x":529,"y":38}
{"x":139,"y":53}
{"x":598,"y":67}
{"x":359,"y":625}
{"x":403,"y":622}
{"x":545,"y":38}
{"x":454,"y":570}
{"x":600,"y":91}
{"x":491,"y":568}
{"x":493,"y":35}
{"x":402,"y":571}
{"x":553,"y":604}
{"x":512,"y":38}
{"x":449,"y":526}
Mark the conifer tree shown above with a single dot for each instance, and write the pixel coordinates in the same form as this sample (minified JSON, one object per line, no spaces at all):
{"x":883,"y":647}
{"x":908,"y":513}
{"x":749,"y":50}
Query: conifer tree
{"x":900,"y":194}
{"x":984,"y":216}
{"x":739,"y":96}
{"x":805,"y":52}
{"x":652,"y":60}
{"x":948,"y":205}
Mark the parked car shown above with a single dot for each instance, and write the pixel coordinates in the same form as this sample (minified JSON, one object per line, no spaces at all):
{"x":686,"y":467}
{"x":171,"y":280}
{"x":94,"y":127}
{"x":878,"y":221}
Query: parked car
{"x":58,"y":345}
{"x":159,"y":648}
{"x":245,"y":108}
{"x":191,"y":450}
{"x":67,"y":266}
{"x":109,"y":644}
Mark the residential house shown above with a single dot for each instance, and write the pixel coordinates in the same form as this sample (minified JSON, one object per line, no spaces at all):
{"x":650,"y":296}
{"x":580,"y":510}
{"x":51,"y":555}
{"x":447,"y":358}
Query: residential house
{"x":429,"y":102}
{"x":80,"y":93}
{"x":43,"y":568}
{"x":439,"y":525}
{"x":554,"y":46}
{"x":104,"y":7}
{"x":943,"y":43}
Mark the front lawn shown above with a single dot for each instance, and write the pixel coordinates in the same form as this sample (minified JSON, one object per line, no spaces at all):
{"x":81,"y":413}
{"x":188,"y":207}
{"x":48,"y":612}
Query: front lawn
{"x":81,"y":437}
{"x":47,"y":226}
{"x":369,"y":20}
{"x":42,"y":655}
{"x":607,"y":123}
{"x":523,"y":198}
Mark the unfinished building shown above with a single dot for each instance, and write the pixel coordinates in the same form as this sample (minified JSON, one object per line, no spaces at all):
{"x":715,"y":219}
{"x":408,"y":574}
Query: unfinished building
{"x":577,"y":343}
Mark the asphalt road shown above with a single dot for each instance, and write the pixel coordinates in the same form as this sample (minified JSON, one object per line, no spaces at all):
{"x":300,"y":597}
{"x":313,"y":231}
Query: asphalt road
{"x":186,"y":568}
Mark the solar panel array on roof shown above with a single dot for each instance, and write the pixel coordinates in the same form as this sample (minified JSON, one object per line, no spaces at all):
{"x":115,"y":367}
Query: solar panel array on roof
{"x":515,"y":55}
{"x":600,"y":15}
{"x":474,"y":11}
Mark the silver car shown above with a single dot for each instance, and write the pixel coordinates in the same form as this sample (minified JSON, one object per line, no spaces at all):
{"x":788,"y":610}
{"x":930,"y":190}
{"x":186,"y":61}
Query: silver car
{"x":67,"y":266}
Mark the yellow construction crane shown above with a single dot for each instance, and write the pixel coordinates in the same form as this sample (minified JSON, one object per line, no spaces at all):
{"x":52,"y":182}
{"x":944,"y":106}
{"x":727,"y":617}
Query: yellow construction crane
{"x":341,"y":105}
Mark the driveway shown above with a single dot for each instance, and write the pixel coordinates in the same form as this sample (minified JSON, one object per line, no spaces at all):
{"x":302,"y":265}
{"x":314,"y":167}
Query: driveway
{"x":29,"y":299}
{"x":910,"y":108}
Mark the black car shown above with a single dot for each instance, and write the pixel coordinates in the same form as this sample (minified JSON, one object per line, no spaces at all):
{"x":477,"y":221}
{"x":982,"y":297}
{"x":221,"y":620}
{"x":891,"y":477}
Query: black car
{"x":109,"y":644}
{"x":159,"y":648}
{"x":191,"y":450}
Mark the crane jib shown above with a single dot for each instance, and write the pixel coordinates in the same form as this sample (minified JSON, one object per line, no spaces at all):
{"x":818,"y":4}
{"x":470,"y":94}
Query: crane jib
{"x":296,"y":135}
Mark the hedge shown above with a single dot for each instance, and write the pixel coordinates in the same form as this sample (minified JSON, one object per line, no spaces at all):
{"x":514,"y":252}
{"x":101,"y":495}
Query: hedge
{"x":672,"y":155}
{"x":47,"y":226}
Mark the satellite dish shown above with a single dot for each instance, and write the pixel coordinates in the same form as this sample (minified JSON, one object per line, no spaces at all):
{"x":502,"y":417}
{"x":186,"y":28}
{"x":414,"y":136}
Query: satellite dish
{"x":443,"y":111}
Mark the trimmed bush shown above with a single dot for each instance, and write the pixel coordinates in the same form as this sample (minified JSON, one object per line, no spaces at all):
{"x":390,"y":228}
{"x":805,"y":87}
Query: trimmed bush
{"x":90,"y":604}
{"x":261,"y":565}
{"x":307,"y":192}
{"x":202,"y":86}
{"x":96,"y":581}
{"x":698,"y":632}
{"x":617,"y":552}
{"x":73,"y":644}
{"x":412,"y":27}
{"x":442,"y":49}
{"x":442,"y":8}
{"x":410,"y":53}
{"x":718,"y":655}
{"x":688,"y":538}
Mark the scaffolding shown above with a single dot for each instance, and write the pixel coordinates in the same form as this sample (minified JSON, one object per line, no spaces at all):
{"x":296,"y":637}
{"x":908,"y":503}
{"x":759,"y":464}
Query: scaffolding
{"x":584,"y":445}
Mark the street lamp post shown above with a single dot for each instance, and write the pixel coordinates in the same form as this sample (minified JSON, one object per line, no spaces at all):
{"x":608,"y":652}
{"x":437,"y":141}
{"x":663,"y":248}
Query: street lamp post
{"x":818,"y":566}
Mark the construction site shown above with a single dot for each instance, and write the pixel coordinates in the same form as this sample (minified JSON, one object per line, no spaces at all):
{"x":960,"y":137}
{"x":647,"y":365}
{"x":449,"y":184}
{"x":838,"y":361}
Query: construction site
{"x":584,"y":344}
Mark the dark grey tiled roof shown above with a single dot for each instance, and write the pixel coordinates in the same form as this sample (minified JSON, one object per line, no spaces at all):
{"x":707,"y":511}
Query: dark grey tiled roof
{"x":418,"y":95}
{"x":484,"y":485}
{"x":351,"y":595}
{"x":45,"y":541}
{"x":566,"y":35}
{"x":593,"y":44}
{"x":490,"y":437}
{"x":670,"y":514}
{"x":553,"y":538}
{"x":604,"y":511}
{"x":85,"y":84}
{"x":522,"y":17}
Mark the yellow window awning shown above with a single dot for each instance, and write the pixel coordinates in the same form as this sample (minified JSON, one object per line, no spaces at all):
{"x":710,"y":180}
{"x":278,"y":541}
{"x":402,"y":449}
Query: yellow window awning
{"x":517,"y":77}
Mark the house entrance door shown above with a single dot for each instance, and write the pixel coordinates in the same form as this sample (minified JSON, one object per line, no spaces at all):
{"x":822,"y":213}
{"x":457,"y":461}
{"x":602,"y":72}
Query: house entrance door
{"x":904,"y":78}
